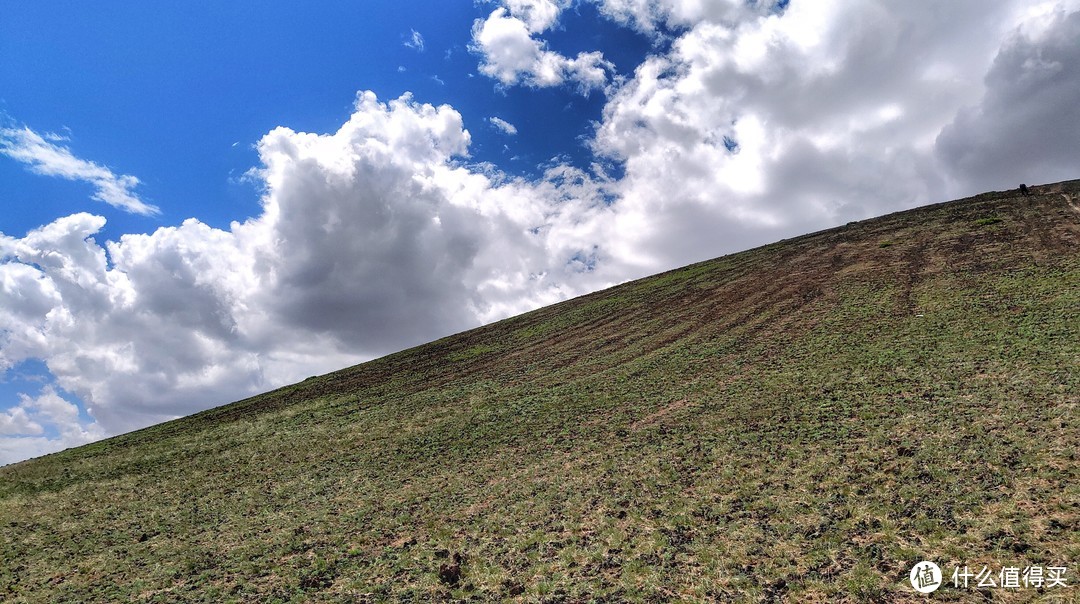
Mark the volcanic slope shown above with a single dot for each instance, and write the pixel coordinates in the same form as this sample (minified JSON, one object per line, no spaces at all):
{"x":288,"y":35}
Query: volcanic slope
{"x":799,"y":422}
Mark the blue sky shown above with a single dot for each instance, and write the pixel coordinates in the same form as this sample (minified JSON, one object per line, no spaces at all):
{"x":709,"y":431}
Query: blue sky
{"x":177,"y":94}
{"x":205,"y":200}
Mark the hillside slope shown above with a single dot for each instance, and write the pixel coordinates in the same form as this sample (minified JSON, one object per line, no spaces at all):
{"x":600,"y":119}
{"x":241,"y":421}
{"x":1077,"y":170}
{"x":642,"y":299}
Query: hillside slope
{"x":799,"y":422}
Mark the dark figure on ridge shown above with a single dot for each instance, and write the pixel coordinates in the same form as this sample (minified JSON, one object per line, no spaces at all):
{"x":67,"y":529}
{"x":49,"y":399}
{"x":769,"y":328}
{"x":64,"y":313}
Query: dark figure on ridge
{"x":1024,"y":190}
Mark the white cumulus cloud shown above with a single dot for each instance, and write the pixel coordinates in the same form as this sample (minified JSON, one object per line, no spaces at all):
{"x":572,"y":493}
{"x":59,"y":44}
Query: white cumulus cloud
{"x":43,"y":424}
{"x":824,"y":112}
{"x":371,"y":238}
{"x":653,"y":15}
{"x":1026,"y":127}
{"x":538,"y":15}
{"x":513,"y":55}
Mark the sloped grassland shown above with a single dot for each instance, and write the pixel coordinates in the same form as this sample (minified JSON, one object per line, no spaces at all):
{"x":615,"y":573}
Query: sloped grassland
{"x":799,"y":422}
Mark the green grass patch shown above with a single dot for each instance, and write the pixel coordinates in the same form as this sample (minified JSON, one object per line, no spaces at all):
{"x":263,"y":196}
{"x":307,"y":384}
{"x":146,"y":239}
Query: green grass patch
{"x":472,"y":352}
{"x":799,"y":422}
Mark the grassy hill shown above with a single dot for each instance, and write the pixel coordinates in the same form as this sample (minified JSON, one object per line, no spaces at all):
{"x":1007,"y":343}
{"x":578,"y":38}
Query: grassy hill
{"x":800,"y":422}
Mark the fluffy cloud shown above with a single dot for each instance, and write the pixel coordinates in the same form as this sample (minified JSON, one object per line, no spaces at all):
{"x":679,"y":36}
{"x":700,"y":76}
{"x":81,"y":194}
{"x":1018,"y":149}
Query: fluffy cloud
{"x":371,"y":238}
{"x":43,"y":424}
{"x":760,"y":123}
{"x":764,"y":119}
{"x":17,"y":421}
{"x":1026,"y":127}
{"x":513,"y":55}
{"x":654,"y":16}
{"x":46,"y":157}
{"x":537,"y":15}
